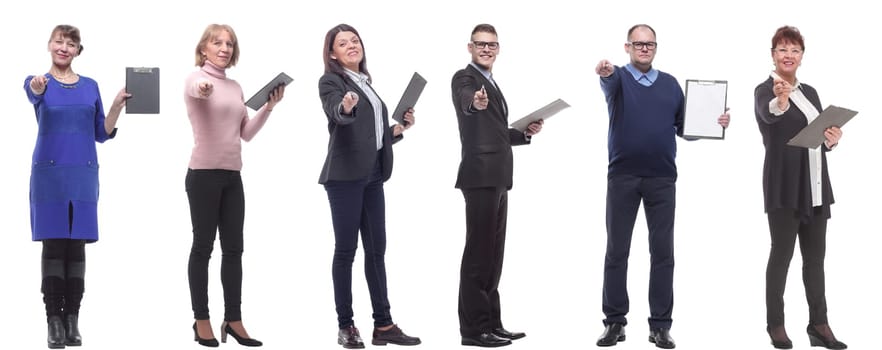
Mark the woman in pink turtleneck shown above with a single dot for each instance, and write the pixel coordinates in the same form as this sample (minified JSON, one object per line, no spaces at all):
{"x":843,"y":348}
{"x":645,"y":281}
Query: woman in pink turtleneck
{"x":216,"y":108}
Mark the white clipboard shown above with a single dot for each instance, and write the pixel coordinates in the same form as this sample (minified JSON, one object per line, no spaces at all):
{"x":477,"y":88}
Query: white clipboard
{"x":705,"y":102}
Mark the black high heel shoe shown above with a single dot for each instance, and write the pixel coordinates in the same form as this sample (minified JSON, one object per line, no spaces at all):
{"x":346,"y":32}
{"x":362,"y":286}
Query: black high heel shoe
{"x":225,"y":328}
{"x":212,"y":343}
{"x":816,"y":339}
{"x":779,"y":344}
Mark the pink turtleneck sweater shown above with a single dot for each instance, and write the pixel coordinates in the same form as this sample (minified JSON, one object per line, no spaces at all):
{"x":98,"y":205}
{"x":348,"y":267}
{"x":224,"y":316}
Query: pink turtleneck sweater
{"x":219,"y":121}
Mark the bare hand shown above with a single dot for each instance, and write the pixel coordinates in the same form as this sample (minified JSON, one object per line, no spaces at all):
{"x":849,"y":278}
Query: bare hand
{"x":480,"y":101}
{"x":534,"y":127}
{"x":408,"y":122}
{"x":724,"y":119}
{"x":120,"y":100}
{"x":205,"y":89}
{"x":832,"y":134}
{"x":275,"y":96}
{"x":350,"y":99}
{"x":604,"y":68}
{"x":782,"y":90}
{"x":38,"y":84}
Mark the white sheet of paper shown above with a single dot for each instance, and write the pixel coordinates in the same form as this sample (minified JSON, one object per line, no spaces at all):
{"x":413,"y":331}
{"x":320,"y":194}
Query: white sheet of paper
{"x":542,"y":113}
{"x":705,"y":102}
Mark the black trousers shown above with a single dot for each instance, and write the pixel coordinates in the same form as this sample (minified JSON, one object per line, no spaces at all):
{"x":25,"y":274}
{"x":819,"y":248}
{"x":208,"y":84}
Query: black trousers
{"x":63,"y":266}
{"x":481,"y":268}
{"x":623,"y":196}
{"x":785,"y":226}
{"x":359,"y":206}
{"x":217,"y":205}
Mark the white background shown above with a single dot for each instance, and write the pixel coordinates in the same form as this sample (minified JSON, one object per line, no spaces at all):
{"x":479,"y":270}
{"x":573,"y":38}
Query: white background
{"x":136,"y":290}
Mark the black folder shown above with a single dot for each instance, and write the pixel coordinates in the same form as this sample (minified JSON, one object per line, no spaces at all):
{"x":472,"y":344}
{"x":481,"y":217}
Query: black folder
{"x":410,"y":97}
{"x":143,"y":84}
{"x":257,"y":101}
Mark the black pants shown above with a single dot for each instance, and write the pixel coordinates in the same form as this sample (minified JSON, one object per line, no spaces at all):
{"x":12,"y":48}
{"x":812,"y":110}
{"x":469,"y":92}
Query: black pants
{"x":785,"y":227}
{"x":63,"y":269}
{"x":623,"y":196}
{"x":481,"y":267}
{"x":359,"y":206}
{"x":217,"y":205}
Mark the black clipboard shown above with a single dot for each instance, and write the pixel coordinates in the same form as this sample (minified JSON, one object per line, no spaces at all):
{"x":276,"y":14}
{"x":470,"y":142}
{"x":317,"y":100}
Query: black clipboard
{"x":257,"y":101}
{"x":812,"y":135}
{"x":143,"y":84}
{"x":410,"y":97}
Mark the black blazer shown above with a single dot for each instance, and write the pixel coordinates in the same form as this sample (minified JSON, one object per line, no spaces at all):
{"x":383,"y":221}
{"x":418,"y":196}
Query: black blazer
{"x":485,"y":136}
{"x":786,"y":178}
{"x":352,"y":148}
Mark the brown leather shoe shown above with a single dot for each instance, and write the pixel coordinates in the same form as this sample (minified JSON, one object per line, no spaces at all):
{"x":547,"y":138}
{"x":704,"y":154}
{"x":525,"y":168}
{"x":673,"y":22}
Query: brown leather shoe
{"x":393,"y":335}
{"x":350,"y":338}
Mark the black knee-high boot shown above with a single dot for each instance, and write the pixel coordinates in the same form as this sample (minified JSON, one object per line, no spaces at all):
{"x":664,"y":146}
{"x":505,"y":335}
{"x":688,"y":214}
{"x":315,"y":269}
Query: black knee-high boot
{"x":53,"y":287}
{"x":74,"y":287}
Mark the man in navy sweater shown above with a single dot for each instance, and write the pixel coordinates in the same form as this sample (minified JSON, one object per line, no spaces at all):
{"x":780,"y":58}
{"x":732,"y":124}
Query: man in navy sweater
{"x":646,"y":108}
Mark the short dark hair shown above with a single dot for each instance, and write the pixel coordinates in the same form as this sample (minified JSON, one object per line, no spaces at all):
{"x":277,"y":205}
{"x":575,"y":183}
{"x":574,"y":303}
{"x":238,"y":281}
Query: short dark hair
{"x":331,"y":65}
{"x":788,"y":34}
{"x":640,"y":26}
{"x":484,"y":28}
{"x":70,"y":32}
{"x":211,"y":32}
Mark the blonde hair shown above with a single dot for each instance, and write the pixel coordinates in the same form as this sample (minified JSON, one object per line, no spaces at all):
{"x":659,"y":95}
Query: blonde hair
{"x":210,"y":33}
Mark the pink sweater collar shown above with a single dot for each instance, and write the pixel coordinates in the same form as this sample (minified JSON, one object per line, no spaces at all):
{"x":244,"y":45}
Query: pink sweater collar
{"x":214,"y":70}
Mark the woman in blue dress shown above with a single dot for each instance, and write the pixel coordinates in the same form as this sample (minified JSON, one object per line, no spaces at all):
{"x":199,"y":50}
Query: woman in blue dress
{"x":64,"y":178}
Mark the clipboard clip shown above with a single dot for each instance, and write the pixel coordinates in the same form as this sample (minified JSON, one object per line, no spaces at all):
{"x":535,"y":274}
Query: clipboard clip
{"x":148,"y":70}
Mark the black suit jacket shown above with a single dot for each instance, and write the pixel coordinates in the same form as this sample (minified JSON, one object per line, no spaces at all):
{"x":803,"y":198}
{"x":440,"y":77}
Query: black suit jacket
{"x":352,"y":148}
{"x":786,"y":178}
{"x":485,"y":135}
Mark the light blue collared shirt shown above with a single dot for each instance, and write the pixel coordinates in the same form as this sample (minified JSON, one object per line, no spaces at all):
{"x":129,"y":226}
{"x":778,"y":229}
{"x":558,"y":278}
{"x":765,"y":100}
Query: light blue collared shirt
{"x":485,"y":73}
{"x":645,"y":79}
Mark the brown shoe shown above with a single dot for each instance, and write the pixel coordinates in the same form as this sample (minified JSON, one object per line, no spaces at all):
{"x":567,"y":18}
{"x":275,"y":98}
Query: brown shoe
{"x":349,"y":338}
{"x":393,"y":335}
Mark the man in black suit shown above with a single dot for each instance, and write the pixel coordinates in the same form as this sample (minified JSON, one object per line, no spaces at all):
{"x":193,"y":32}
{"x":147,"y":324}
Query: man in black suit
{"x":485,"y":176}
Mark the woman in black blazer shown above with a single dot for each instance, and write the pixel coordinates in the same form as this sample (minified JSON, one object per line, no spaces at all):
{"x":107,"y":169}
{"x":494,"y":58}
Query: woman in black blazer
{"x":796,"y":189}
{"x":358,"y":162}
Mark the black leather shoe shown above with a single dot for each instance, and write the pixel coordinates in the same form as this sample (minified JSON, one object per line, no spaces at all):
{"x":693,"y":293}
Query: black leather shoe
{"x":486,"y":340}
{"x":72,"y":331}
{"x":350,"y":338}
{"x":662,"y":338}
{"x":783,"y":343}
{"x":211,"y":343}
{"x":612,"y":335}
{"x":818,"y":339}
{"x":504,"y":333}
{"x":393,"y":335}
{"x":226,"y":329}
{"x":56,"y":336}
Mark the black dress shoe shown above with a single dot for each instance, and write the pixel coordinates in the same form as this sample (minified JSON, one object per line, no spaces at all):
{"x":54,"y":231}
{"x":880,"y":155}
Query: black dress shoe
{"x":350,"y":338}
{"x":56,"y":336}
{"x":818,"y":339}
{"x":662,"y":338}
{"x":504,"y":333}
{"x":393,"y":335}
{"x":226,"y":329}
{"x":211,"y":343}
{"x":487,"y":340}
{"x":784,"y":343}
{"x":72,"y":331}
{"x":612,"y":335}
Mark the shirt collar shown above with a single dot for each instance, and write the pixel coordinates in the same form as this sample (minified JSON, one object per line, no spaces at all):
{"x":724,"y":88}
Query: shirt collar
{"x":483,"y":71}
{"x":358,"y":77}
{"x":650,"y":76}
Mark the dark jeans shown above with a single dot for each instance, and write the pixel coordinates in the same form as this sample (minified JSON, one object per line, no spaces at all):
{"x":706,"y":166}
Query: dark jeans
{"x":63,"y":266}
{"x":217,"y":205}
{"x":785,"y":226}
{"x":359,"y":206}
{"x":623,"y":196}
{"x":481,"y":267}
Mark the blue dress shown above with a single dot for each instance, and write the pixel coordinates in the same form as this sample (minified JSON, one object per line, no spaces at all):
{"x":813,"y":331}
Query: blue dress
{"x":64,"y":173}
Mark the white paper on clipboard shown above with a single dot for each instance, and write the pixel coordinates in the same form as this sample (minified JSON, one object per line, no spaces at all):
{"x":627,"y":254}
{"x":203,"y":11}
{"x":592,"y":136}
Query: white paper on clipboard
{"x":705,"y":102}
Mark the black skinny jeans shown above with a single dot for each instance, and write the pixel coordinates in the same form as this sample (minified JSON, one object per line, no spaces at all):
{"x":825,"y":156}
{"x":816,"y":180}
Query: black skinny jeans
{"x":217,"y":205}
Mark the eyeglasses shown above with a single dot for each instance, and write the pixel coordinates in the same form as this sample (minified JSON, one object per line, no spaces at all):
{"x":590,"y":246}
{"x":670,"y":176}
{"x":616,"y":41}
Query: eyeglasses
{"x":784,"y":51}
{"x":639,"y":45}
{"x":492,"y":45}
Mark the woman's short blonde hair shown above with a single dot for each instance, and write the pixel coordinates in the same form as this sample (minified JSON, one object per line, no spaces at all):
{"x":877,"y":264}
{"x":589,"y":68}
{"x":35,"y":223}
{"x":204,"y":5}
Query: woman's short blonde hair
{"x":209,"y":34}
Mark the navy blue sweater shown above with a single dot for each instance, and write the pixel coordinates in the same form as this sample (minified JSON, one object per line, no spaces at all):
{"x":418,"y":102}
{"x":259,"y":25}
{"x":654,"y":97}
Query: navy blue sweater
{"x":643,"y":123}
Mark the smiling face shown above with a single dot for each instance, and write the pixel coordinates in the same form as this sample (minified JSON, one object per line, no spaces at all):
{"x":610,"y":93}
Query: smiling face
{"x":347,"y":50}
{"x":219,"y":50}
{"x":641,"y":46}
{"x":63,"y":49}
{"x":787,"y":57}
{"x":484,"y":48}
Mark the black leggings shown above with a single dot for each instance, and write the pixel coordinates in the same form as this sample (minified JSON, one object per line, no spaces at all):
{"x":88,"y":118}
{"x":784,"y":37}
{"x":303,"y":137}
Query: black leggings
{"x":63,"y":268}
